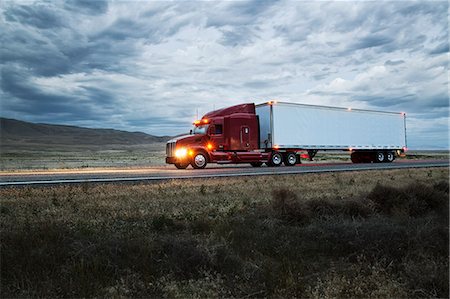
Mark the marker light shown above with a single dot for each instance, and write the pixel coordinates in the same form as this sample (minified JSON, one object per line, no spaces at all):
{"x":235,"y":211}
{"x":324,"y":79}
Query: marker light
{"x":350,"y":149}
{"x":276,"y":146}
{"x":402,"y":113}
{"x":196,"y":122}
{"x":209,"y":146}
{"x":405,"y":149}
{"x":205,"y":121}
{"x":181,"y":152}
{"x":349,"y":109}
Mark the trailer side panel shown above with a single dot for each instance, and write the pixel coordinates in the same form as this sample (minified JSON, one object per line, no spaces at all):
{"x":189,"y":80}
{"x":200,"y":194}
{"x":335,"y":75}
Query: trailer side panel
{"x":318,"y":127}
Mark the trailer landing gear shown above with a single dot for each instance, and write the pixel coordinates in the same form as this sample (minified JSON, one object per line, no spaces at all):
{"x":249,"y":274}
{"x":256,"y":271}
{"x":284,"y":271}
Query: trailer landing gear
{"x":312,"y":154}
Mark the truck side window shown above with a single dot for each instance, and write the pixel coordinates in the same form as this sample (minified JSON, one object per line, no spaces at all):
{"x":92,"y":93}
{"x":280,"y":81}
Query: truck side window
{"x":218,"y":129}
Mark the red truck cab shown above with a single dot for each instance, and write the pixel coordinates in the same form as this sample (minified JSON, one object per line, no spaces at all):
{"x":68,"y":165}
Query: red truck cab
{"x":229,"y":135}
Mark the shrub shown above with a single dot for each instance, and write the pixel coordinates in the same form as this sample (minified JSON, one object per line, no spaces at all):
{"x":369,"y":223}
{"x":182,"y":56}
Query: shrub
{"x":442,"y":186}
{"x":413,"y":200}
{"x":162,"y":222}
{"x":287,"y":207}
{"x":361,"y":280}
{"x":182,"y":257}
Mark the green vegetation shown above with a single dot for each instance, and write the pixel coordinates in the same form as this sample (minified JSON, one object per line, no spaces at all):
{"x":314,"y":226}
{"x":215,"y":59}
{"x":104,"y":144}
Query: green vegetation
{"x":359,"y":234}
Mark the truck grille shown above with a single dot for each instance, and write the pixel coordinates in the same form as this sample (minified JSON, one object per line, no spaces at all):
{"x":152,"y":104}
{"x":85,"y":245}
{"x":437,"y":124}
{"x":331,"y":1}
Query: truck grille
{"x":170,"y":149}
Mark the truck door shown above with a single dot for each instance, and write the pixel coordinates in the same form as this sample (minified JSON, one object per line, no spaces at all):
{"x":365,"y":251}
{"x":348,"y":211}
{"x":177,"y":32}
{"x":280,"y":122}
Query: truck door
{"x":245,"y":137}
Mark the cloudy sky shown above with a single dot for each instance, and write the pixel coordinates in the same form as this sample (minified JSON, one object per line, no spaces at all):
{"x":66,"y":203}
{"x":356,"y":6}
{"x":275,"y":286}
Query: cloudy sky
{"x":148,"y":66}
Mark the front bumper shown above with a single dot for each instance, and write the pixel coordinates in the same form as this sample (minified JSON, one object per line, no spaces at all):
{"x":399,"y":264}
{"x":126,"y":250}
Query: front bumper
{"x":171,"y":160}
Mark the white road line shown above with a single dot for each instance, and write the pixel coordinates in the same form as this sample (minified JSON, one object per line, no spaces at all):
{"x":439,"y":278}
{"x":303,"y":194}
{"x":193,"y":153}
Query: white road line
{"x":199,"y":176}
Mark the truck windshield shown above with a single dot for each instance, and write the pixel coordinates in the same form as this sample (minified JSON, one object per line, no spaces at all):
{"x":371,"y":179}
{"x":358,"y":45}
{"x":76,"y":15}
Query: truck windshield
{"x":200,"y":129}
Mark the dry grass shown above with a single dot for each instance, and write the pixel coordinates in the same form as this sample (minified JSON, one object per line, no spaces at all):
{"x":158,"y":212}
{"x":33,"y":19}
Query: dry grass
{"x":69,"y":157}
{"x":360,"y":234}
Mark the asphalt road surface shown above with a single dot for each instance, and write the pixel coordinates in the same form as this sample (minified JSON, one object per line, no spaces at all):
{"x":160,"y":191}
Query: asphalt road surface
{"x":41,"y":178}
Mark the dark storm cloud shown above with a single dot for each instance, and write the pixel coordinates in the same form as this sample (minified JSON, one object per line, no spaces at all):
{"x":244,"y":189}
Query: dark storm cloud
{"x":30,"y":99}
{"x":251,"y":8}
{"x":123,"y":29}
{"x":439,"y":100}
{"x":440,"y":49}
{"x":102,"y":98}
{"x":239,"y":13}
{"x":423,"y":8}
{"x":40,"y":16}
{"x":147,"y":28}
{"x":35,"y":53}
{"x":370,"y":42}
{"x":384,"y":101}
{"x":91,"y":7}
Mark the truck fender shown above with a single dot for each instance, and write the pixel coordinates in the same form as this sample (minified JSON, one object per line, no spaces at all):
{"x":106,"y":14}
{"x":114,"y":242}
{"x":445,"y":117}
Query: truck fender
{"x":202,"y":150}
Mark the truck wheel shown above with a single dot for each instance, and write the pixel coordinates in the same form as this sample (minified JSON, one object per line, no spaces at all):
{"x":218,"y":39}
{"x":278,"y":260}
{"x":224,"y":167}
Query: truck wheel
{"x":290,"y":159}
{"x":199,"y":161}
{"x":389,"y":157}
{"x":181,"y":165}
{"x":256,"y":164}
{"x":276,"y":159}
{"x":379,"y":157}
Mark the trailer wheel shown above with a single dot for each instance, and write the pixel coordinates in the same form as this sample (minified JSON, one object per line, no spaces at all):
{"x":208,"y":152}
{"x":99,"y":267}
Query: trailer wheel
{"x":199,"y":161}
{"x":181,"y":165}
{"x":389,"y":157}
{"x":256,"y":164}
{"x":379,"y":157}
{"x":276,"y":159}
{"x":290,"y":159}
{"x":355,"y":157}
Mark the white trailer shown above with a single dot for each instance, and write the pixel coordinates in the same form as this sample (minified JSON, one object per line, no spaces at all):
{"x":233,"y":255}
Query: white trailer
{"x":369,"y":135}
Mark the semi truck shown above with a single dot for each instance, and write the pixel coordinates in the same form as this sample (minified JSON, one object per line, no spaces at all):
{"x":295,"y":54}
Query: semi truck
{"x":276,"y":133}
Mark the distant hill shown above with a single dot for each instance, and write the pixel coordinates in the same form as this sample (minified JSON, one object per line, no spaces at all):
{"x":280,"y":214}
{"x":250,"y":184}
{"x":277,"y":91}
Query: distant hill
{"x":15,"y":133}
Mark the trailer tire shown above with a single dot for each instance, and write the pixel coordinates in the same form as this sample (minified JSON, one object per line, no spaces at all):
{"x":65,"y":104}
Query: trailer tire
{"x":379,"y":157}
{"x":355,"y":157}
{"x":275,"y":159}
{"x":389,"y":157}
{"x":199,"y":160}
{"x":256,"y":164}
{"x":181,"y":165}
{"x":290,"y":159}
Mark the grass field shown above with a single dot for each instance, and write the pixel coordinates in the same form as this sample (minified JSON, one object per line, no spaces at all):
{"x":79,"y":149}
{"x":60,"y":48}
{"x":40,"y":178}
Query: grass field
{"x":143,"y":155}
{"x":359,"y":234}
{"x":35,"y":157}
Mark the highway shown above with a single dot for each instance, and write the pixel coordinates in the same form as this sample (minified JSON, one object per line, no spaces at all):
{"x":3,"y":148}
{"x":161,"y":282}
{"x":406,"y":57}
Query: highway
{"x":136,"y":175}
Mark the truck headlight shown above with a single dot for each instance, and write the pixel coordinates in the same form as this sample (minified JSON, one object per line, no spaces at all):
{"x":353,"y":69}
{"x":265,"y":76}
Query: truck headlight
{"x":181,"y":152}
